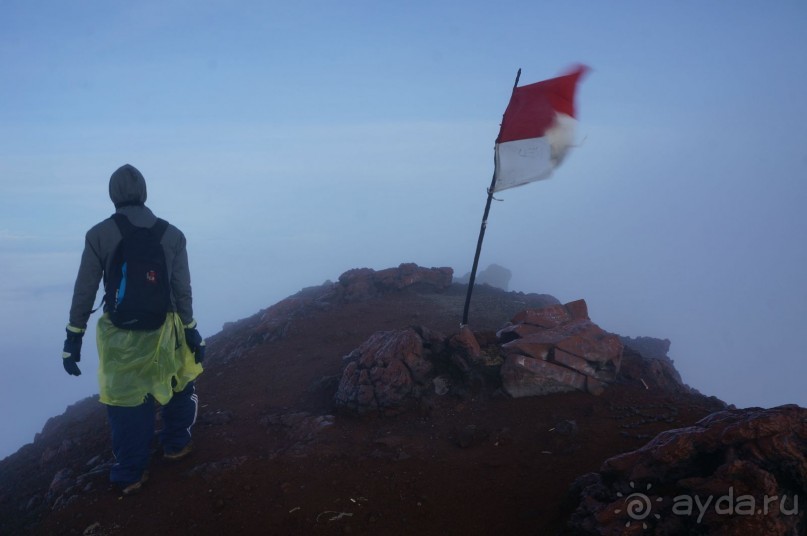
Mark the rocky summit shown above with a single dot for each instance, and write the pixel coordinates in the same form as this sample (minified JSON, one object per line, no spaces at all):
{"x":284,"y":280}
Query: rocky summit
{"x":551,"y":349}
{"x":361,"y":406}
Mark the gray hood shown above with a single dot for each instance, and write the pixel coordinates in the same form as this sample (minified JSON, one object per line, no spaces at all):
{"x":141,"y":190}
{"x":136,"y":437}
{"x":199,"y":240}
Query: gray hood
{"x":127,"y":187}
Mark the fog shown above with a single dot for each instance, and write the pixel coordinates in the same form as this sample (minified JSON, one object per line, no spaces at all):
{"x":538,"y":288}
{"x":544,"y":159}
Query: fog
{"x":293,"y":143}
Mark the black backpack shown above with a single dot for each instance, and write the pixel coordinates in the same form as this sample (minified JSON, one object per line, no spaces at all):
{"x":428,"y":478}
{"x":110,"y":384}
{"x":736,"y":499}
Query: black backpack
{"x":137,"y":292}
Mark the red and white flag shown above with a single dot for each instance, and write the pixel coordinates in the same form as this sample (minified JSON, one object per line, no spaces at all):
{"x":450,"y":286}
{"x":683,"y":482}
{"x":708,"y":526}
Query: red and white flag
{"x":537,"y":130}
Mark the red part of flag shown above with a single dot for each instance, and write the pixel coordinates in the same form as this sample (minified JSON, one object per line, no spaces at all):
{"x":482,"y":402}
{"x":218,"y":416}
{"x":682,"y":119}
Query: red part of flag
{"x":533,"y":108}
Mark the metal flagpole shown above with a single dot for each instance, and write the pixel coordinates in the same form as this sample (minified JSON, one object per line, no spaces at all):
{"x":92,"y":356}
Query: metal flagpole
{"x":482,"y":229}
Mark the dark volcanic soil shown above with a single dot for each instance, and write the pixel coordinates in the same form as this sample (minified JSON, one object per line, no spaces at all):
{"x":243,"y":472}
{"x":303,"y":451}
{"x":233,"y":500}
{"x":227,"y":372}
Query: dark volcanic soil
{"x":479,"y":464}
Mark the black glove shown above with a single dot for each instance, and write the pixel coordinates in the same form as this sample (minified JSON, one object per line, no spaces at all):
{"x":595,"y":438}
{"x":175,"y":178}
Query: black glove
{"x":196,"y":343}
{"x":71,"y":353}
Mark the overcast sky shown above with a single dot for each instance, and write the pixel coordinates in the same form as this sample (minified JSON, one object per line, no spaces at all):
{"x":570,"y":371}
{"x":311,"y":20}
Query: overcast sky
{"x":292,"y":141}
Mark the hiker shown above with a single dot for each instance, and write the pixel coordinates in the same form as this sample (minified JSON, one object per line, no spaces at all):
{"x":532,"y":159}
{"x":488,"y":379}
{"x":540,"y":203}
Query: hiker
{"x":148,"y":346}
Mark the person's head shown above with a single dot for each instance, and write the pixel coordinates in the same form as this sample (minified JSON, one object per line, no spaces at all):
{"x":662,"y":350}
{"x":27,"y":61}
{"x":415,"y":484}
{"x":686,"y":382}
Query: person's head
{"x":127,"y":187}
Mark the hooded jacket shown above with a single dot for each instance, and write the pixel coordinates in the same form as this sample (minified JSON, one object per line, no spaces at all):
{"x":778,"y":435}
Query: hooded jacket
{"x":127,"y":190}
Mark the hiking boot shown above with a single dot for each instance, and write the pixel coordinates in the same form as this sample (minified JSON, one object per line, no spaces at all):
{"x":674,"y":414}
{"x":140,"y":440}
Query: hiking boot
{"x":134,"y":487}
{"x":179,"y":454}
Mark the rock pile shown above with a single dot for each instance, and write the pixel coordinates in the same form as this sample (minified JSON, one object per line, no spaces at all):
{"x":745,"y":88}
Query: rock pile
{"x":734,"y":472}
{"x":556,"y":349}
{"x":552,"y":349}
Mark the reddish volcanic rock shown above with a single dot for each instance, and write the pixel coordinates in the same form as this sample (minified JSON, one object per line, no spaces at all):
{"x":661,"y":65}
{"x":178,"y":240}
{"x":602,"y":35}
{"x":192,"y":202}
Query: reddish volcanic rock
{"x":645,"y":359}
{"x":545,"y":317}
{"x":512,"y":331}
{"x":363,"y":283}
{"x":528,"y":347}
{"x":384,"y":373}
{"x":733,"y":472}
{"x":561,"y":351}
{"x":524,"y":376}
{"x":562,"y":336}
{"x":573,"y":362}
{"x":578,"y":310}
{"x":595,"y":345}
{"x":466,"y":344}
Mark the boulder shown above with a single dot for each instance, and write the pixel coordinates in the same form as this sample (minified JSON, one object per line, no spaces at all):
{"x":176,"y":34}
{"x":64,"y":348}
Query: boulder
{"x":494,"y":275}
{"x":734,"y":472}
{"x":358,"y":284}
{"x":578,"y":310}
{"x":570,"y":350}
{"x":466,"y":344}
{"x":385,"y":373}
{"x":465,"y":351}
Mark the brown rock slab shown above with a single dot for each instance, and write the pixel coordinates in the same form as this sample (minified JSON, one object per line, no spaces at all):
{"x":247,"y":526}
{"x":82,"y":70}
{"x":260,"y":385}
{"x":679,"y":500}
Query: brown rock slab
{"x":525,"y":376}
{"x":574,"y":362}
{"x":536,"y":350}
{"x":594,"y":345}
{"x":546,"y":317}
{"x":578,"y":310}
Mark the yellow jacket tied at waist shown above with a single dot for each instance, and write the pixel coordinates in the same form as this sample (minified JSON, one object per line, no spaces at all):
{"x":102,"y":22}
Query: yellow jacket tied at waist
{"x":134,"y":364}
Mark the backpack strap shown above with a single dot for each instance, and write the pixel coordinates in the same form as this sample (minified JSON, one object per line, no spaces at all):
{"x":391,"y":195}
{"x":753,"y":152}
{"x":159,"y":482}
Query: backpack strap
{"x":125,"y":226}
{"x":159,"y":228}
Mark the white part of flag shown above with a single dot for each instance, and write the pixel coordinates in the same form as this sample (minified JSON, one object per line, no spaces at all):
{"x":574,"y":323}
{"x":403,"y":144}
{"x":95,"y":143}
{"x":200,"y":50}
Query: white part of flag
{"x":528,"y":160}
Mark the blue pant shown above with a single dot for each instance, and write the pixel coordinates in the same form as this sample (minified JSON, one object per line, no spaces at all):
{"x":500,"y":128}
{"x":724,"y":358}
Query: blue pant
{"x":133,"y":431}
